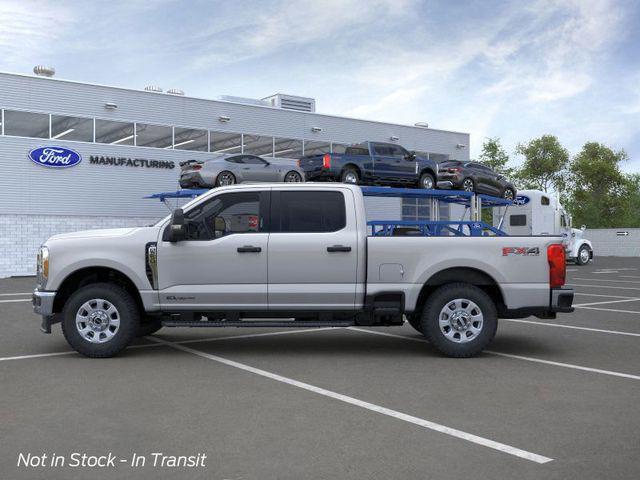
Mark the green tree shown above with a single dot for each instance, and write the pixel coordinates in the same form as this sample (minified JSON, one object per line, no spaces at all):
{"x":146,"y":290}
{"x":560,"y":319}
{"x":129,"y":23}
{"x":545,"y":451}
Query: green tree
{"x":545,"y":164}
{"x":600,"y":194}
{"x":494,"y":156}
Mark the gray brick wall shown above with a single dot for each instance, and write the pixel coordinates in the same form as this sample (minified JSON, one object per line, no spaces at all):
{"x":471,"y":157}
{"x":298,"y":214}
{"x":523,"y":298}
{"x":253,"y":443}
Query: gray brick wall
{"x":22,"y":235}
{"x":607,"y":242}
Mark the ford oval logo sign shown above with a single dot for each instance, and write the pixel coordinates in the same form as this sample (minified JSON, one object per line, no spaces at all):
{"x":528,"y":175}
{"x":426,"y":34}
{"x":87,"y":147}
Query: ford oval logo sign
{"x":55,"y":157}
{"x":521,"y":200}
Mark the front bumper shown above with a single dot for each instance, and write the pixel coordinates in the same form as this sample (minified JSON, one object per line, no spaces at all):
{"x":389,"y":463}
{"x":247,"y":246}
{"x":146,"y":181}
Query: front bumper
{"x":192,"y":179}
{"x":42,"y":302}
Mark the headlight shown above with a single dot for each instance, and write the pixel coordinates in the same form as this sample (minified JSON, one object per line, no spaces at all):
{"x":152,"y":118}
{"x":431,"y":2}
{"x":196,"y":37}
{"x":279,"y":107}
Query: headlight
{"x":42,"y":265}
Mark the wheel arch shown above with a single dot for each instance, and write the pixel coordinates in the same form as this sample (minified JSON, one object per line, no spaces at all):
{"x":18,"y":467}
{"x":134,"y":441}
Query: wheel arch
{"x":351,"y":165}
{"x":470,"y":275}
{"x":88,"y":275}
{"x":429,"y":170}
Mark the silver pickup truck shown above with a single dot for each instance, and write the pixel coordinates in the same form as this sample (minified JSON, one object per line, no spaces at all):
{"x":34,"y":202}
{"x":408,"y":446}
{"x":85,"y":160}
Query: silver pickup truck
{"x":290,"y":255}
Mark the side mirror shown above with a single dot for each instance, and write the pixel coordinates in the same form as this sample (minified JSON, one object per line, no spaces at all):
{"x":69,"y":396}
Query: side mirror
{"x":583,"y":227}
{"x":177,"y":228}
{"x":219,"y":227}
{"x":410,"y":156}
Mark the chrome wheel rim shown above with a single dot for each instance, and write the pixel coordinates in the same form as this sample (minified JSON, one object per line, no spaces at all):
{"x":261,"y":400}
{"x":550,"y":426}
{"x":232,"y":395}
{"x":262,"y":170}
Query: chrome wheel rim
{"x":508,"y":194}
{"x":584,"y":255}
{"x":97,"y":320}
{"x":350,"y":177}
{"x":467,"y":185}
{"x":427,"y":182}
{"x":226,"y":179}
{"x":293,"y":177}
{"x":460,"y":320}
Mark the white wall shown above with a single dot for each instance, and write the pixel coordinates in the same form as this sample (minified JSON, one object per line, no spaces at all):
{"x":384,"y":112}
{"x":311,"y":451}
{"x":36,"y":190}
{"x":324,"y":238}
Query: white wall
{"x":607,"y":242}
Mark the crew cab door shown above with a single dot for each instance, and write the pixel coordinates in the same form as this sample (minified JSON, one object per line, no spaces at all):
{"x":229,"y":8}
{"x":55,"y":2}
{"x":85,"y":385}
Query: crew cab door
{"x":222,"y":264}
{"x":313,"y":250}
{"x":391,"y":164}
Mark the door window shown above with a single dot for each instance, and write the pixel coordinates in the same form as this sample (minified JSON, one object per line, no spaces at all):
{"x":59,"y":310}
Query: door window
{"x":224,"y":215}
{"x":312,"y":212}
{"x":253,"y":160}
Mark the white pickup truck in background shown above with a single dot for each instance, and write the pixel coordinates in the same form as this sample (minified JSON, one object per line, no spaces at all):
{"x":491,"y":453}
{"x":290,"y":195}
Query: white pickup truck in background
{"x":290,"y":255}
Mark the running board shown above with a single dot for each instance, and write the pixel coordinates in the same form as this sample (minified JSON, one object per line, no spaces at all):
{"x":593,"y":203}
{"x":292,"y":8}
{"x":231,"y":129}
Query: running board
{"x":254,"y":323}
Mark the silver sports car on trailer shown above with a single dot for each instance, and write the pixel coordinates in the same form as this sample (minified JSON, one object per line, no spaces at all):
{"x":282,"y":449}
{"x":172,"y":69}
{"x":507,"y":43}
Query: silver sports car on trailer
{"x":229,"y":169}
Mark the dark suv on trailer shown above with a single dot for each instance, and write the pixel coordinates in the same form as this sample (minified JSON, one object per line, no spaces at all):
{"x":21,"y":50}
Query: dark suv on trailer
{"x":475,"y":177}
{"x":374,"y":163}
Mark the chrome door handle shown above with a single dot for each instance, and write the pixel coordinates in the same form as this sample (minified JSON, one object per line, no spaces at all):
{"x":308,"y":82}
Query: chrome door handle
{"x":249,"y":249}
{"x":338,"y":248}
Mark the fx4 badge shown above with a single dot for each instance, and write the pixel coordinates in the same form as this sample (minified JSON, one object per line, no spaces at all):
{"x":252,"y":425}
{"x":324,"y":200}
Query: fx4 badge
{"x":522,"y":251}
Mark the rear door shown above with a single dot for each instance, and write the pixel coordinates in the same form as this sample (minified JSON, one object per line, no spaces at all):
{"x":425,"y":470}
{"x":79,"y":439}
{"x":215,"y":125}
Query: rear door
{"x":390,"y":163}
{"x":313,"y":250}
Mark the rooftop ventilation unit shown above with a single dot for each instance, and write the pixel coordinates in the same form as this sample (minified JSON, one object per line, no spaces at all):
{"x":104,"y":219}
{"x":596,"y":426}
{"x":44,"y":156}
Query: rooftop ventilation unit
{"x":175,"y":91}
{"x":153,"y":88}
{"x":43,"y":71}
{"x":291,"y":102}
{"x":244,"y":100}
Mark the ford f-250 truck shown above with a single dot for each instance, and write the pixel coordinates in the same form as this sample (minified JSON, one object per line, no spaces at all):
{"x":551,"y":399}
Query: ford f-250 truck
{"x":372,"y":163}
{"x":244,"y":255}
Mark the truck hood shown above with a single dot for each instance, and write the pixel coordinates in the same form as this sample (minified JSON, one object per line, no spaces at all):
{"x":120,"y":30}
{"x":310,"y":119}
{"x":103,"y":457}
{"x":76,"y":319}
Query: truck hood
{"x":101,"y":233}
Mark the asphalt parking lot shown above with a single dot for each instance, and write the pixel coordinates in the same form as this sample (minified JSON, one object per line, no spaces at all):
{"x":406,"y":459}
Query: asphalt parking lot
{"x":551,"y":399}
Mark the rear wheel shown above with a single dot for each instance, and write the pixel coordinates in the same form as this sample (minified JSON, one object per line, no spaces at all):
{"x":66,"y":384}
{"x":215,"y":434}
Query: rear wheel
{"x":584,"y":255}
{"x":100,"y":320}
{"x":468,"y":185}
{"x":459,"y":320}
{"x":225,"y":178}
{"x":293,"y":177}
{"x":427,"y":181}
{"x":350,"y":175}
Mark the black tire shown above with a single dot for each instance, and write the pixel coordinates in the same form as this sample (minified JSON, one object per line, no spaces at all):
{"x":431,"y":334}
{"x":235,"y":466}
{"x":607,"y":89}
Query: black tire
{"x":148,"y":327}
{"x":579,"y":260}
{"x":220,"y":179}
{"x":289,"y":177}
{"x":127,"y":310}
{"x":468,"y":185}
{"x":348,"y":173}
{"x":437,"y":302}
{"x":415,"y":321}
{"x":509,"y":194}
{"x":425,"y":179}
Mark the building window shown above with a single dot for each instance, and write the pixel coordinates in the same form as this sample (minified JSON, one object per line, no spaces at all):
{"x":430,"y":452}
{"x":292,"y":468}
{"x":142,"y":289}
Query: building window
{"x":257,"y":145}
{"x":26,"y":124}
{"x":157,"y":136}
{"x":287,"y":148}
{"x":316,"y":148}
{"x":438,"y":157}
{"x":71,"y":128}
{"x":225,"y":142}
{"x":115,"y":133}
{"x":339,"y":148}
{"x":190,"y":139}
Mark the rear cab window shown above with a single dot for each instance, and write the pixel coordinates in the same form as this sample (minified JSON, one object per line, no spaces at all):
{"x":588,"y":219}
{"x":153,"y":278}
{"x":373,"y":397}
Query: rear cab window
{"x":308,"y":212}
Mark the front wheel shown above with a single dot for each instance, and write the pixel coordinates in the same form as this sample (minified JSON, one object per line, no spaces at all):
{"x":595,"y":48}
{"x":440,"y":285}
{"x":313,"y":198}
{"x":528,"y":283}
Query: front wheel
{"x":584,"y":255}
{"x":427,"y":182}
{"x":100,"y":320}
{"x":459,"y":320}
{"x":293,"y":177}
{"x":508,"y":194}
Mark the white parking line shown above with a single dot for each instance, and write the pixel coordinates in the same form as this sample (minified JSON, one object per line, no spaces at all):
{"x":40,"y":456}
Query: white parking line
{"x":610,"y":310}
{"x":607,"y":280}
{"x":629,"y":276}
{"x":599,"y":295}
{"x":609,"y":301}
{"x":14,"y":294}
{"x":573,"y":327}
{"x":469,"y":437}
{"x":519,"y":357}
{"x":180,"y":342}
{"x":603,"y":286}
{"x":16,"y":300}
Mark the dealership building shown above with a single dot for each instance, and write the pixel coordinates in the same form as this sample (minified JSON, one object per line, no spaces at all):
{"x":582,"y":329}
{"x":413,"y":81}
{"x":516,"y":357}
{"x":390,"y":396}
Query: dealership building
{"x":128,"y":144}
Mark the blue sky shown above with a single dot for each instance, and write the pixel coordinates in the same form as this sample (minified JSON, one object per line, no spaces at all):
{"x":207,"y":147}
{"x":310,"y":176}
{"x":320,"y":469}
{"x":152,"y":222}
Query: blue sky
{"x":515,"y":69}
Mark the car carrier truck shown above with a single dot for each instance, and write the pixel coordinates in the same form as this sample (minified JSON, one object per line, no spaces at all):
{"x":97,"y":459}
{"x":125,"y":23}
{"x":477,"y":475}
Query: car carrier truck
{"x":535,"y":212}
{"x":293,"y":255}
